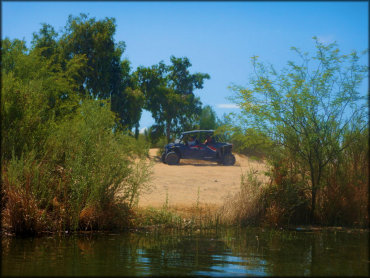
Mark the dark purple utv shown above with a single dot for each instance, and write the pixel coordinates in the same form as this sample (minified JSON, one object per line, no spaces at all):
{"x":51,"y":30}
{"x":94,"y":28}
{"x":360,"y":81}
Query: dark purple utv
{"x":198,"y":144}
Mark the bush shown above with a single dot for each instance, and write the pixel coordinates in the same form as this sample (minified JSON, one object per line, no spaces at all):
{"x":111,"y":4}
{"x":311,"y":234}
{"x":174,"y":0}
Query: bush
{"x":21,"y":211}
{"x":100,"y":162}
{"x":79,"y":179}
{"x":281,"y":201}
{"x":247,"y":141}
{"x":286,"y":199}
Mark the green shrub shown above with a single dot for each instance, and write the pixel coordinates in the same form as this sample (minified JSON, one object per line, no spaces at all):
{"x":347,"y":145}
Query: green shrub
{"x":86,"y":176}
{"x":100,"y":162}
{"x":162,"y":217}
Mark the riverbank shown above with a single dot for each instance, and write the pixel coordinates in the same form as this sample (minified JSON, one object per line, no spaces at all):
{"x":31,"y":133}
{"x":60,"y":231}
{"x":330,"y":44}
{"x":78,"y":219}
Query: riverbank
{"x":193,"y":195}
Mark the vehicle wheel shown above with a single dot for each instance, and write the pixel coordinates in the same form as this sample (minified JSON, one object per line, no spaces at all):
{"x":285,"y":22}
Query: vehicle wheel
{"x":163,"y":157}
{"x":229,"y":159}
{"x":172,"y":158}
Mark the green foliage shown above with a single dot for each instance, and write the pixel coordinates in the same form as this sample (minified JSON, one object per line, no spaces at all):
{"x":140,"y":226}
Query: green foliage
{"x":46,"y":41}
{"x":246,"y":140}
{"x":11,"y":53}
{"x":85,"y":168}
{"x":249,"y":141}
{"x":168,"y":92}
{"x":343,"y":201}
{"x":159,"y":217}
{"x":97,"y":160}
{"x":66,"y":164}
{"x":128,"y":102}
{"x":307,"y":109}
{"x":35,"y":94}
{"x":208,"y":118}
{"x":94,"y":39}
{"x":102,"y":75}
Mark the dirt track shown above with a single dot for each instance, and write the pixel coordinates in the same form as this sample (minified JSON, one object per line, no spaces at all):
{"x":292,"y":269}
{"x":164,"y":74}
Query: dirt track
{"x":181,"y":182}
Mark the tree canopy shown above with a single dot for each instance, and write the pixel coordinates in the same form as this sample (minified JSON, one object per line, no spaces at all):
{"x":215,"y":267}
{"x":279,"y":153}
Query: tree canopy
{"x":169,"y":93}
{"x":208,"y":118}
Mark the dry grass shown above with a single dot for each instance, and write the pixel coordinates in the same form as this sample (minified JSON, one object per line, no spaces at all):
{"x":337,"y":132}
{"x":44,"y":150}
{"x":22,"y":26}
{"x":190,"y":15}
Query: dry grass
{"x":244,"y":207}
{"x":344,"y":201}
{"x":20,"y":213}
{"x":115,"y":216}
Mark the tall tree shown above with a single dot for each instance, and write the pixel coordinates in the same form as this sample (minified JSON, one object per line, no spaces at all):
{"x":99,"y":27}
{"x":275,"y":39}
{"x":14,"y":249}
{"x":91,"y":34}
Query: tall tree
{"x":94,"y":39}
{"x":308,"y":108}
{"x":208,"y":118}
{"x":129,"y":101}
{"x":45,"y":40}
{"x":11,"y":54}
{"x":105,"y":76}
{"x":169,"y":93}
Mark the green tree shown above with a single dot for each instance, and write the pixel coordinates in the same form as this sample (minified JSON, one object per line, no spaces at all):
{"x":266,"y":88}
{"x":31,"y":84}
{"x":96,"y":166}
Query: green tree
{"x":307,"y":108}
{"x":11,"y":53}
{"x":94,"y":39}
{"x":169,"y":93}
{"x":129,"y":101}
{"x":208,"y":118}
{"x":104,"y":76}
{"x":35,"y":94}
{"x":46,"y":40}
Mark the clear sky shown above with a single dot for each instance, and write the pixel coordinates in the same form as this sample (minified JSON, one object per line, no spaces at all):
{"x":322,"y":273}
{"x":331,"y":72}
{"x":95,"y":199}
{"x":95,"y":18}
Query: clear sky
{"x":218,"y":37}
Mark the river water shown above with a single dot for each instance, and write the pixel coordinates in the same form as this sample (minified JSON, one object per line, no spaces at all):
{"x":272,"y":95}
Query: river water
{"x":228,"y":252}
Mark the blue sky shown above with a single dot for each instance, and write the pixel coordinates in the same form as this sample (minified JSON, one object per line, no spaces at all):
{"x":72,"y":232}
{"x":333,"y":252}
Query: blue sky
{"x":218,"y":37}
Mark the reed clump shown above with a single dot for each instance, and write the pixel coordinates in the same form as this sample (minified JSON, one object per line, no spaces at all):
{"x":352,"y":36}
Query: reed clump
{"x":245,"y":207}
{"x":344,"y":199}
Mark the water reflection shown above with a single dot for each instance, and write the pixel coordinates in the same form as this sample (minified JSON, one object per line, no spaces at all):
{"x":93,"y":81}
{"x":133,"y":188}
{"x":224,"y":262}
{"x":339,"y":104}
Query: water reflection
{"x":231,"y":252}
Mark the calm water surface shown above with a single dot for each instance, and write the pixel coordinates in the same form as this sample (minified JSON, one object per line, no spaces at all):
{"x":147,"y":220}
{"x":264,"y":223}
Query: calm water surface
{"x":231,"y":252}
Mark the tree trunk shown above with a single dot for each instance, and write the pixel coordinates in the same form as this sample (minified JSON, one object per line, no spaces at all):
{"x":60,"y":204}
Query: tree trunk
{"x":313,"y":204}
{"x":313,"y":192}
{"x":315,"y":186}
{"x":168,"y":130}
{"x":136,"y":130}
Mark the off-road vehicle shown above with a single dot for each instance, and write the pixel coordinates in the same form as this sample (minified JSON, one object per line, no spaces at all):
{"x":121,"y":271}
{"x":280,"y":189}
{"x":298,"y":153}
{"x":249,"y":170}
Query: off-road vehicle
{"x":198,"y":144}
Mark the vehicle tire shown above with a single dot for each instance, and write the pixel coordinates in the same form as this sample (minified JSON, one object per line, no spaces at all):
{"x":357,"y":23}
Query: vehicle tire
{"x":229,"y":159}
{"x":163,"y":157}
{"x":172,"y":158}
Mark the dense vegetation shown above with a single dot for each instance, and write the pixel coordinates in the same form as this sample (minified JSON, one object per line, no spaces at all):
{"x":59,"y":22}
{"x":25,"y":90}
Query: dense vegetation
{"x":68,"y":105}
{"x":310,"y":122}
{"x":70,"y":161}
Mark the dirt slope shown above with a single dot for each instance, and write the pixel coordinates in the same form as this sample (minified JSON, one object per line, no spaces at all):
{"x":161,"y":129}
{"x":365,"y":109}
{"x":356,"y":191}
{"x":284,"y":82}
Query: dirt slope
{"x":182,"y":182}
